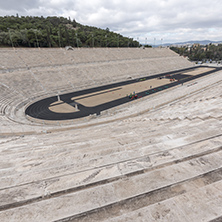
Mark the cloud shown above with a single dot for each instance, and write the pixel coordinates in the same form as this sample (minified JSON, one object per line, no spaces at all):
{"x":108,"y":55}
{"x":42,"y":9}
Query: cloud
{"x":13,"y":5}
{"x":171,"y":20}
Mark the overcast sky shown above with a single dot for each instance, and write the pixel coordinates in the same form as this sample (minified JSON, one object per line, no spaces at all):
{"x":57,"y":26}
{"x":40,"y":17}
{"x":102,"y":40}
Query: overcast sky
{"x":143,"y":20}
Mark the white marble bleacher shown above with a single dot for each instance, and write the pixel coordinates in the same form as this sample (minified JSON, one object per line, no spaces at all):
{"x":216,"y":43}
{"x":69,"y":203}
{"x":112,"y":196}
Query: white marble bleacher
{"x":3,"y":99}
{"x":130,"y":53}
{"x":141,"y":157}
{"x":172,"y":96}
{"x":89,"y":67}
{"x":8,"y":96}
{"x":33,"y":57}
{"x":94,"y":147}
{"x":9,"y":128}
{"x":36,"y":81}
{"x":22,"y":82}
{"x":51,"y":79}
{"x":59,"y":57}
{"x":81,"y":76}
{"x":114,"y":71}
{"x":75,"y":76}
{"x":111,"y":71}
{"x":158,"y":165}
{"x":17,"y":89}
{"x":136,"y":68}
{"x":74,"y":56}
{"x":9,"y":60}
{"x":3,"y":105}
{"x":204,"y":104}
{"x":105,"y":55}
{"x":46,"y":57}
{"x":120,"y":70}
{"x":91,"y":154}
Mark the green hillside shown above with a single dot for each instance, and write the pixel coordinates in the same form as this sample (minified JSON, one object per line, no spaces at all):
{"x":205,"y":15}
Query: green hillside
{"x":28,"y":31}
{"x":198,"y":52}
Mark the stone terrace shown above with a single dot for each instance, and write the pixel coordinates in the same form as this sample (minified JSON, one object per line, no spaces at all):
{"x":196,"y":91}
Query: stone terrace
{"x":82,"y":68}
{"x":157,"y":159}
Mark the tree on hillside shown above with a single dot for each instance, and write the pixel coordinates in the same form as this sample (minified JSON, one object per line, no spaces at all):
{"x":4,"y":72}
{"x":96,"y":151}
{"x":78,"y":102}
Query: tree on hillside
{"x":29,"y":31}
{"x":200,"y":52}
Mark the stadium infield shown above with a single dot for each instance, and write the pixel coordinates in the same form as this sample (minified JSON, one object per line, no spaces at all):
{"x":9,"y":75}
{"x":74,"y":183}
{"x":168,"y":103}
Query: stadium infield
{"x":95,"y":100}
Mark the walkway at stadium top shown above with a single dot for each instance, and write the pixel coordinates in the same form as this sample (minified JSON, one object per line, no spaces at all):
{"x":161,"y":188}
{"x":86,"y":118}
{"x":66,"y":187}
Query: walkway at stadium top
{"x":154,"y":159}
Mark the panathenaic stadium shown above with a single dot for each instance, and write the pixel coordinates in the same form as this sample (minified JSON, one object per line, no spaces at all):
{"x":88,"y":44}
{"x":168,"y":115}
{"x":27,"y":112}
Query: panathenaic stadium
{"x":109,"y":134}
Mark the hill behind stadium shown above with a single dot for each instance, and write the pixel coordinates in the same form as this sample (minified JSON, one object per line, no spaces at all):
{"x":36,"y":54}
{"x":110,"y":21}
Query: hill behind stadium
{"x":29,"y":31}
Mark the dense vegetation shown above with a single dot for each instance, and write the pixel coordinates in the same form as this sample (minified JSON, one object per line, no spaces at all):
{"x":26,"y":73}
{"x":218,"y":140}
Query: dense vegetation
{"x":28,"y":31}
{"x":198,"y":52}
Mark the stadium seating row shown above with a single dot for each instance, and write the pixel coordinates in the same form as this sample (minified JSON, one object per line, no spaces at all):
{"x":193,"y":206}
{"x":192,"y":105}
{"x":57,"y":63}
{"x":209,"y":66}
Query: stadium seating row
{"x":23,"y":58}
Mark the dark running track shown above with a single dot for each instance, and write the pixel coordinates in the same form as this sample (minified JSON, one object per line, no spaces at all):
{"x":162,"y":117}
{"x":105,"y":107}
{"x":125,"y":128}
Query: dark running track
{"x":40,"y":109}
